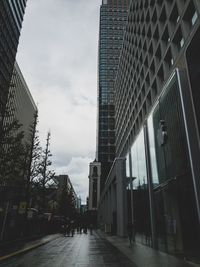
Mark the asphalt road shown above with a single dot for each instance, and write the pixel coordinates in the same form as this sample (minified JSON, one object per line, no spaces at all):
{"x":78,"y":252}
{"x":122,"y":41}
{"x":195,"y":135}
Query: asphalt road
{"x":82,"y":250}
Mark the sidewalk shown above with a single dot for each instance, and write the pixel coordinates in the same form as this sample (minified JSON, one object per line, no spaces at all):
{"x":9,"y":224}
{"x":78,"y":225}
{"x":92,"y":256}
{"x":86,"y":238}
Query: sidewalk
{"x":144,"y":256}
{"x":22,"y":247}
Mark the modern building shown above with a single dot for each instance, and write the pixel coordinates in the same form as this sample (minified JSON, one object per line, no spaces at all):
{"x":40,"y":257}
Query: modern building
{"x":11,"y":17}
{"x":20,"y":107}
{"x":113,"y":17}
{"x":157,"y":127}
{"x":22,"y":103}
{"x":63,"y":182}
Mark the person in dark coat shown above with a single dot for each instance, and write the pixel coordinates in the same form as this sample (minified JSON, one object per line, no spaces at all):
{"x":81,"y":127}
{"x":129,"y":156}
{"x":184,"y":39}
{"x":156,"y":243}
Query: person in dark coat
{"x":130,"y":233}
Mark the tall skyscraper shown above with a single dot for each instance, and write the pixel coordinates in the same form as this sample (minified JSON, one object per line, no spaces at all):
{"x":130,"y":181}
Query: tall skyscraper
{"x":113,"y":16}
{"x":11,"y":17}
{"x":157,"y":127}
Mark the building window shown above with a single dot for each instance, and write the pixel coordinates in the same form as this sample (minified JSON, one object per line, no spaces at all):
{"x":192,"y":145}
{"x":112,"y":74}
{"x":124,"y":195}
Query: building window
{"x":154,"y":171}
{"x":141,"y":209}
{"x":194,"y":18}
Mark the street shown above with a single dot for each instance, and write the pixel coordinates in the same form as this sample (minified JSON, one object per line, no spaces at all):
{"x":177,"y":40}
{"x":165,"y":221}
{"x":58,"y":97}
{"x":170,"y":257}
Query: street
{"x":82,"y":250}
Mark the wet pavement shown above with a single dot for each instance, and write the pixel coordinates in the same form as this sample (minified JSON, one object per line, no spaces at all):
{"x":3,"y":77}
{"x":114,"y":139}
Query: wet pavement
{"x":82,"y":250}
{"x":144,"y":256}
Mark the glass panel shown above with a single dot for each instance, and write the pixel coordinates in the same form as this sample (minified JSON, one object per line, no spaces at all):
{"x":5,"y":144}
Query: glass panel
{"x":141,"y":161}
{"x":141,"y":211}
{"x":152,"y":151}
{"x":127,"y":166}
{"x":134,"y":162}
{"x":176,"y":223}
{"x":194,"y":18}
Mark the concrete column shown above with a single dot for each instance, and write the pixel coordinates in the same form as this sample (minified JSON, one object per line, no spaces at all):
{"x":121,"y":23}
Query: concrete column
{"x":121,"y":197}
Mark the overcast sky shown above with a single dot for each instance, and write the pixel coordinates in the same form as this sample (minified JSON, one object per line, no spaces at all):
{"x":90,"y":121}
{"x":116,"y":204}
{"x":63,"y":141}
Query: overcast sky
{"x":58,"y":57}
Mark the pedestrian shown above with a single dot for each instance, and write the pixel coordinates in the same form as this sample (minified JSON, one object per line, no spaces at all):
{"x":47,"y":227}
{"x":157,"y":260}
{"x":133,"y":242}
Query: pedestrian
{"x":91,"y":228}
{"x":130,"y":233}
{"x":85,"y":229}
{"x":72,"y":231}
{"x":64,"y":229}
{"x":68,"y":229}
{"x":72,"y":228}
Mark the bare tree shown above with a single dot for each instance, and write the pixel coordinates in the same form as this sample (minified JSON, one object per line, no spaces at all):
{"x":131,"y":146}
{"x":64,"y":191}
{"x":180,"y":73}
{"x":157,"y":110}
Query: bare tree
{"x":33,"y":157}
{"x":46,"y":174}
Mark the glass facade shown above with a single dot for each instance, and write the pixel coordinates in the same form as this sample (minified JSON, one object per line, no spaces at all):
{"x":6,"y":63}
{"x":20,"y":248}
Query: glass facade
{"x":17,"y":8}
{"x":174,"y":206}
{"x":160,"y":37}
{"x":11,"y":16}
{"x":139,"y":162}
{"x":113,"y":15}
{"x":141,"y":209}
{"x":193,"y":61}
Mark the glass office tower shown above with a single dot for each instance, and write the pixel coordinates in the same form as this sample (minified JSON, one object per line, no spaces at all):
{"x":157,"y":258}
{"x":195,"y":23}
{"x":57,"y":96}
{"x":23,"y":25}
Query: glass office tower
{"x":11,"y":17}
{"x":113,"y":16}
{"x":158,"y":123}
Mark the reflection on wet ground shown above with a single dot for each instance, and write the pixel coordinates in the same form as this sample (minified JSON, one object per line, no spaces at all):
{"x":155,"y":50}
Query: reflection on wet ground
{"x":82,"y":250}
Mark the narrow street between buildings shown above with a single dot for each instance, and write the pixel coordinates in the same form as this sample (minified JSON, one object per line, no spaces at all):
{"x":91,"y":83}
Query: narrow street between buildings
{"x":89,"y":250}
{"x":81,"y":250}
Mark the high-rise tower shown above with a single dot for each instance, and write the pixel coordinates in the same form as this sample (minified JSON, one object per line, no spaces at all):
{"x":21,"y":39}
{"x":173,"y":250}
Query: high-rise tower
{"x":11,"y":17}
{"x":113,"y":16}
{"x":157,"y":127}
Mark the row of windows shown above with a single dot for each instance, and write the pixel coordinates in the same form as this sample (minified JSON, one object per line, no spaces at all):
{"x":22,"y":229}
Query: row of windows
{"x":179,"y":41}
{"x":9,"y":23}
{"x":111,"y":37}
{"x":17,"y":13}
{"x":111,"y":41}
{"x":107,"y":134}
{"x":9,"y":35}
{"x":148,"y":55}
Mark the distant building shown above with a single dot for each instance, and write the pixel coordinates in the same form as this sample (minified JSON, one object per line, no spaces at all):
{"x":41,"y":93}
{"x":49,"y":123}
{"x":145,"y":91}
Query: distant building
{"x":63,"y":182}
{"x":113,"y":17}
{"x":94,"y":185}
{"x":83,"y":208}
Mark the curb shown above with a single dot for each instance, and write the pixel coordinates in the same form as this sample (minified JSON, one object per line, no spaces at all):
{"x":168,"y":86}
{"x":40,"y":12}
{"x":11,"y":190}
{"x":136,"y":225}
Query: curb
{"x":16,"y":253}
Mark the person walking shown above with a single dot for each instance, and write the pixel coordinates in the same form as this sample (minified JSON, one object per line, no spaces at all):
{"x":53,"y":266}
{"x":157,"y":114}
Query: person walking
{"x":72,"y":228}
{"x":91,"y":228}
{"x":68,"y":230}
{"x":130,"y":233}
